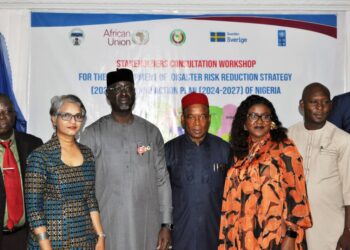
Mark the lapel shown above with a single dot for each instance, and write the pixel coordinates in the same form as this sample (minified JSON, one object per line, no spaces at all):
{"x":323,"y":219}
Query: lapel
{"x":2,"y":188}
{"x":22,"y":151}
{"x":3,"y":200}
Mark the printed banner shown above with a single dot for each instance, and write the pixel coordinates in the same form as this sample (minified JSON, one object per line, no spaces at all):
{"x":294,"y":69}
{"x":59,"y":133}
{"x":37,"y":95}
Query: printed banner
{"x":227,"y":57}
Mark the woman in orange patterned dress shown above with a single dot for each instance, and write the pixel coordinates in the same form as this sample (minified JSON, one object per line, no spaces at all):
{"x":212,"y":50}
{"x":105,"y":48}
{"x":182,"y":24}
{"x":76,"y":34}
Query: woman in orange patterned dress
{"x":265,"y":204}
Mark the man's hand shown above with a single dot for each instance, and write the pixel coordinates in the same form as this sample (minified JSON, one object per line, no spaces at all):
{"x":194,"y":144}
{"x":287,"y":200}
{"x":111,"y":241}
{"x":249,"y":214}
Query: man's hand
{"x":288,"y":243}
{"x":344,"y":240}
{"x":164,"y":239}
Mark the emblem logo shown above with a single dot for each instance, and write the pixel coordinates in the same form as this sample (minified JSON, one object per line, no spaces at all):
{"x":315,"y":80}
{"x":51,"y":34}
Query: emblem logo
{"x":178,"y":37}
{"x":76,"y":36}
{"x":140,"y":37}
{"x":282,"y":40}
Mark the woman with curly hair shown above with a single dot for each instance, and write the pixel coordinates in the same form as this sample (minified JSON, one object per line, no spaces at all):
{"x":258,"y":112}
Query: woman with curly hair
{"x":265,"y":204}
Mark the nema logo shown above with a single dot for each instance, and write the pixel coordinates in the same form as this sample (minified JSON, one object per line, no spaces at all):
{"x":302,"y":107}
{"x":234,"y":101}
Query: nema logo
{"x":76,"y":36}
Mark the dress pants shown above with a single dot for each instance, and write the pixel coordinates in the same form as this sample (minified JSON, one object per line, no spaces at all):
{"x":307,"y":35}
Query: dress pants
{"x":16,"y":240}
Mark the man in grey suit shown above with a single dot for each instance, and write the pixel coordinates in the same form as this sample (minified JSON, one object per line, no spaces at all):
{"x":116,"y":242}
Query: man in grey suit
{"x":132,"y":182}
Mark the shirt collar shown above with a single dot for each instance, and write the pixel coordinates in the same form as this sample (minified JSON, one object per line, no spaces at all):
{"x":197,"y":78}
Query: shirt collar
{"x":203,"y":142}
{"x":261,"y":142}
{"x":12,"y":138}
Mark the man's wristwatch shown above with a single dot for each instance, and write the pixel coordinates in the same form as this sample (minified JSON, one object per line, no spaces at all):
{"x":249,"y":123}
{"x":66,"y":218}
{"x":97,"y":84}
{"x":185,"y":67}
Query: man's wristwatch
{"x":168,"y":226}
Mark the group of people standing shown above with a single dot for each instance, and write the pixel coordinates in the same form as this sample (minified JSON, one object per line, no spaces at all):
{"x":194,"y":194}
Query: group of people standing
{"x":121,"y":188}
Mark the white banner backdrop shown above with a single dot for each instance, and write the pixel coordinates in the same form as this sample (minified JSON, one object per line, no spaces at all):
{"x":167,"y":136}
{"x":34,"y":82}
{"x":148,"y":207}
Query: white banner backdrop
{"x":227,"y":57}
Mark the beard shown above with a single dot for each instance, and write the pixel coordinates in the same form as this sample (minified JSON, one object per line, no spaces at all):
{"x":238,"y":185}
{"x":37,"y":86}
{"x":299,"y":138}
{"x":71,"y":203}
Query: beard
{"x":124,"y":107}
{"x":127,"y":106}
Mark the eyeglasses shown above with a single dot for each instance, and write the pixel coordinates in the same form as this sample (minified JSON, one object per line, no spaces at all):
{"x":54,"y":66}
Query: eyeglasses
{"x":253,"y":117}
{"x":119,"y":89}
{"x":68,"y":116}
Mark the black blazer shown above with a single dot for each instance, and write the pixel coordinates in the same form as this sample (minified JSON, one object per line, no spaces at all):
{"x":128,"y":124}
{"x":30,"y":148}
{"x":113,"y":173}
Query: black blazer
{"x":340,"y":114}
{"x":26,"y":143}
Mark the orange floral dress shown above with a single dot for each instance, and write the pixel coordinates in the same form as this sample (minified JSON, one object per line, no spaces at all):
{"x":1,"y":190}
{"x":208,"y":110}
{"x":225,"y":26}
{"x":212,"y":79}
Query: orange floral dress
{"x":264,"y":194}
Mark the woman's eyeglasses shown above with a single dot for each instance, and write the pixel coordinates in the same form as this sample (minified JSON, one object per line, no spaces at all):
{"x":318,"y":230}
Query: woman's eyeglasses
{"x":68,"y":116}
{"x":253,"y":117}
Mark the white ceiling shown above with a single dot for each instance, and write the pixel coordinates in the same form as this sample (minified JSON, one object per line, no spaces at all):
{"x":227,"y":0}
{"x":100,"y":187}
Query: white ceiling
{"x":166,"y":6}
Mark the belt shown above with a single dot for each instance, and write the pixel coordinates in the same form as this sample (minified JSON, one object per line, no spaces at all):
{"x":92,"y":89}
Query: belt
{"x":14,"y":230}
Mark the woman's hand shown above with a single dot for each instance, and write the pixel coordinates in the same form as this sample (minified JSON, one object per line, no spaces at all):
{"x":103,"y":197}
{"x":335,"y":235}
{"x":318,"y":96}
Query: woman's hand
{"x":43,"y":238}
{"x":100,"y":245}
{"x":96,"y":222}
{"x":288,"y":243}
{"x":45,"y":244}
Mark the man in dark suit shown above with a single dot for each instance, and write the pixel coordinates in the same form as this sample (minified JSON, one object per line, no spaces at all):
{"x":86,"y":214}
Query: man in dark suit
{"x":340,"y":114}
{"x":197,"y":163}
{"x":14,"y":149}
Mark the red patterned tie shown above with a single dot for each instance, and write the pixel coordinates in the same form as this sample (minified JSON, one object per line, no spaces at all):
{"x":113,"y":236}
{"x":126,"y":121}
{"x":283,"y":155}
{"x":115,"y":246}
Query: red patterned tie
{"x":12,"y":180}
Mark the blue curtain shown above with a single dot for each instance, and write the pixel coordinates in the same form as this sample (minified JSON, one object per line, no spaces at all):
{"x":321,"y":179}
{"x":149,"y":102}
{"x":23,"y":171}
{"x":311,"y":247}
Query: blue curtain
{"x":6,"y":84}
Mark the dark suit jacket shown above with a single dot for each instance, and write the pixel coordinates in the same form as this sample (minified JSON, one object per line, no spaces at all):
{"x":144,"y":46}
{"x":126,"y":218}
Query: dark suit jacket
{"x":340,"y":114}
{"x":26,"y":143}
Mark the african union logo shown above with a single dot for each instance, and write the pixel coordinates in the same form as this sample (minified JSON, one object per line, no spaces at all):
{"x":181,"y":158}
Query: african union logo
{"x":76,"y":36}
{"x":140,"y":37}
{"x":217,"y":37}
{"x":178,"y":37}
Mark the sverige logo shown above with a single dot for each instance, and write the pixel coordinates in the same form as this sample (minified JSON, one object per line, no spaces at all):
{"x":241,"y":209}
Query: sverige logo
{"x":227,"y":37}
{"x":217,"y":36}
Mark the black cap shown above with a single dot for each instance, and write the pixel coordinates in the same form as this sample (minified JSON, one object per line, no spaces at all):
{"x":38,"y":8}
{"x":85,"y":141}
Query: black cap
{"x":120,"y":75}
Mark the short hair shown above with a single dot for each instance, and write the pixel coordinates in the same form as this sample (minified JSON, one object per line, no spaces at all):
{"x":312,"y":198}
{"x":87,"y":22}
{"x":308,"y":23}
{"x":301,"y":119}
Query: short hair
{"x":58,"y":101}
{"x":7,"y":98}
{"x":312,"y":86}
